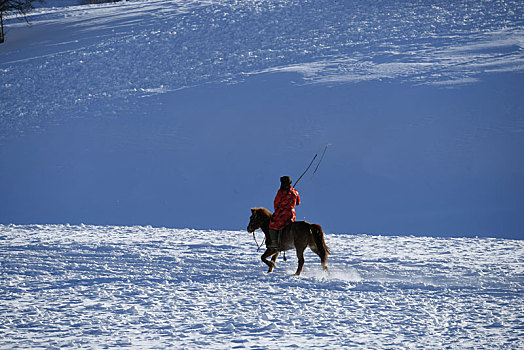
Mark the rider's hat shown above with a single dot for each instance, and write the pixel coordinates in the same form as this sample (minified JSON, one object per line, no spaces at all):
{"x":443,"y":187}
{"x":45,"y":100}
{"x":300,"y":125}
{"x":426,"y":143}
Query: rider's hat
{"x":285,"y":180}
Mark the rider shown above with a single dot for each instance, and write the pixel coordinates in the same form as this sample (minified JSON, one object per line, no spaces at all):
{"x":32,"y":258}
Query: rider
{"x":285,"y":201}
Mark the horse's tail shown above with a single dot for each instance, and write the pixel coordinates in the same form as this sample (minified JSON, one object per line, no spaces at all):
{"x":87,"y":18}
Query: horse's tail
{"x":322,"y":248}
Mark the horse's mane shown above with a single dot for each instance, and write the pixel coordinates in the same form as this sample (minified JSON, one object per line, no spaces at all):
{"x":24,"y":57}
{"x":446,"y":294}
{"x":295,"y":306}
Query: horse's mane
{"x":263,"y":210}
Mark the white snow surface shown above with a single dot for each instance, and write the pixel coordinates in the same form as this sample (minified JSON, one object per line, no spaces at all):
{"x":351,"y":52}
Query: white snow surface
{"x":78,"y":55}
{"x":148,"y":112}
{"x":142,"y":287}
{"x":131,"y":113}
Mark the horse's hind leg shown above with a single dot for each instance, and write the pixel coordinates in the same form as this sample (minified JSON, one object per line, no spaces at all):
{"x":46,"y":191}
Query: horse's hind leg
{"x":323,"y":257}
{"x":323,"y":261}
{"x":300,"y":256}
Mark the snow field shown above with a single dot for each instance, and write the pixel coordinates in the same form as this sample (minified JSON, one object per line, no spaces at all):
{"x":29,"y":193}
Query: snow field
{"x":97,"y":58}
{"x":146,"y":99}
{"x":111,"y":77}
{"x":144,"y":287}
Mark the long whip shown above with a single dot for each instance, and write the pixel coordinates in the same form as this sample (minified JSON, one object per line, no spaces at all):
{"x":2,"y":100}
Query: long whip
{"x":311,"y":163}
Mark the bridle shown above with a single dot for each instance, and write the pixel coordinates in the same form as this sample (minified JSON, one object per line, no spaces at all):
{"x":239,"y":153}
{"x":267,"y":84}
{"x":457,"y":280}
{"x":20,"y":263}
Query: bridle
{"x":254,"y":237}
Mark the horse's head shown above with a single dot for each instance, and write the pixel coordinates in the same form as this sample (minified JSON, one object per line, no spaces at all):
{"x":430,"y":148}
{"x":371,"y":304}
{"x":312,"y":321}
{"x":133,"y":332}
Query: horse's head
{"x":259,"y":217}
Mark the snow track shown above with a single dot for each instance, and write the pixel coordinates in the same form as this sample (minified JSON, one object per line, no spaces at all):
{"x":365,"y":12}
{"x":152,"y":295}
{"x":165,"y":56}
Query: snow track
{"x":144,"y":287}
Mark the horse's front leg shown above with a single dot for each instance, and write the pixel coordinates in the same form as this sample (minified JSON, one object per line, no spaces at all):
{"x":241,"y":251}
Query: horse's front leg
{"x":269,"y":252}
{"x":274,"y":259}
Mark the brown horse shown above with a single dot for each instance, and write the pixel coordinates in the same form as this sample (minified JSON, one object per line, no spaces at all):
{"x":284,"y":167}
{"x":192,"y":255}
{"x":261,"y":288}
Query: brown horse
{"x":298,"y":235}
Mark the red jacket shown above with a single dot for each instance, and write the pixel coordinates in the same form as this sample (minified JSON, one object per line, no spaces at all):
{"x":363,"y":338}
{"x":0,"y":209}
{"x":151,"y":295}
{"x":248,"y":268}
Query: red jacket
{"x":285,"y":202}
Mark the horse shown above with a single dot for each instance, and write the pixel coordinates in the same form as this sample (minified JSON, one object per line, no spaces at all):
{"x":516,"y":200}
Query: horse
{"x":297,"y":235}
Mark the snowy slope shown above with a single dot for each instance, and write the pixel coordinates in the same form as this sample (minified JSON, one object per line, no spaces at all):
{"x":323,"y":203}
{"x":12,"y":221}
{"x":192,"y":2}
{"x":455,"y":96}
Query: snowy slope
{"x":86,"y":54}
{"x":142,"y":287}
{"x":185,"y":113}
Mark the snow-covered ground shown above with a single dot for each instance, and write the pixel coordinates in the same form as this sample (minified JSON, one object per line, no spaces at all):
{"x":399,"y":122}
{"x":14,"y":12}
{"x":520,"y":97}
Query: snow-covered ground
{"x":143,"y":287}
{"x":184,"y":113}
{"x":79,"y":55}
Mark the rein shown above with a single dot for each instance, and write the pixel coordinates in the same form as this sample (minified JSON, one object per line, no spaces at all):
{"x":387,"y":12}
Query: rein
{"x":261,"y":244}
